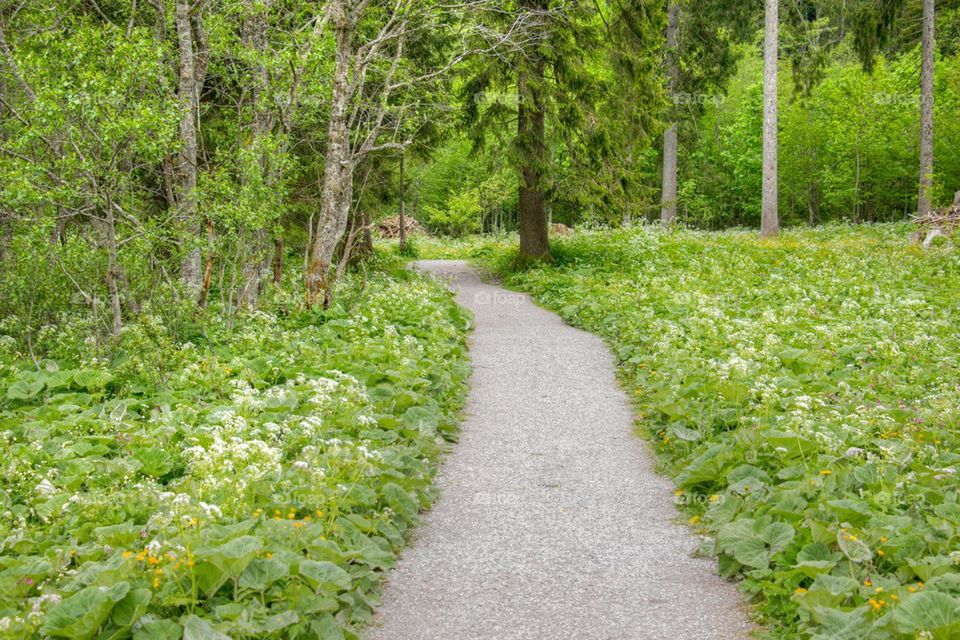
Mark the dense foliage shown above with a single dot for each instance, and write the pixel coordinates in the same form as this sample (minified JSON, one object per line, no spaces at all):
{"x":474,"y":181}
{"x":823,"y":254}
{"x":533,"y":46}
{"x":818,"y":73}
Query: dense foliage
{"x":253,"y":481}
{"x":803,"y":395}
{"x":848,"y":151}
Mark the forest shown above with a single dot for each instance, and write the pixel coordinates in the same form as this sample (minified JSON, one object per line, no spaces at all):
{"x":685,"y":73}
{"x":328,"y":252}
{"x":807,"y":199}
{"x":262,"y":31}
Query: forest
{"x":229,"y":381}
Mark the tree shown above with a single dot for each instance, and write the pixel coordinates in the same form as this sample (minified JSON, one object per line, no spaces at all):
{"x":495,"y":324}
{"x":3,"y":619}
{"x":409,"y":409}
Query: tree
{"x":377,"y":86}
{"x":874,"y":27}
{"x":926,"y":109}
{"x":191,"y":41}
{"x":668,"y":211}
{"x":531,"y":144}
{"x":769,"y":220}
{"x":580,"y":63}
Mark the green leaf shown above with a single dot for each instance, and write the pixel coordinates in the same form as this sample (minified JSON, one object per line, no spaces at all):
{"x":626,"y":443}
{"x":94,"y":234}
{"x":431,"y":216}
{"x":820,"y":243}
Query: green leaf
{"x":816,"y":558}
{"x":131,"y":608}
{"x":853,"y":547}
{"x":324,"y":575}
{"x":195,"y":628}
{"x":91,"y":379}
{"x":263,"y":572}
{"x":24,"y":389}
{"x":400,"y":501}
{"x":752,"y":552}
{"x":931,"y":611}
{"x":82,"y":614}
{"x":156,"y":629}
{"x":154,"y":461}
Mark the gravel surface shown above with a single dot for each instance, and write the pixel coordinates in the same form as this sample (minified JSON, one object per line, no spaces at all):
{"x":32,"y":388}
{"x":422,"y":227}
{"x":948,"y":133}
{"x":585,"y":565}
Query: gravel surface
{"x":552,"y":523}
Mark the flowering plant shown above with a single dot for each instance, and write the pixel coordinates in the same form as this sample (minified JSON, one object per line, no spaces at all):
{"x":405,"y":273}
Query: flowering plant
{"x":256,"y":486}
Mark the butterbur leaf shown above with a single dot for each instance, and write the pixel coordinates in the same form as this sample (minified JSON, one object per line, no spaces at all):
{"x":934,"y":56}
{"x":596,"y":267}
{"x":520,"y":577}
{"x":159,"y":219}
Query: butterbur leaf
{"x":816,"y":558}
{"x":154,"y":461}
{"x":400,"y":501}
{"x":834,"y":585}
{"x":80,"y":616}
{"x":155,"y":629}
{"x":324,"y":574}
{"x":778,"y":535}
{"x":931,"y":611}
{"x":422,"y":418}
{"x":326,"y":628}
{"x":842,"y":625}
{"x":195,"y":628}
{"x":91,"y":379}
{"x":131,"y":608}
{"x":263,"y":572}
{"x":752,"y":552}
{"x":24,"y":390}
{"x":853,"y":547}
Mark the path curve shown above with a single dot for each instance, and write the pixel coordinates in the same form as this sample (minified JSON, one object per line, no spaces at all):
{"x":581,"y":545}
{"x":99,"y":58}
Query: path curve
{"x":551,"y":524}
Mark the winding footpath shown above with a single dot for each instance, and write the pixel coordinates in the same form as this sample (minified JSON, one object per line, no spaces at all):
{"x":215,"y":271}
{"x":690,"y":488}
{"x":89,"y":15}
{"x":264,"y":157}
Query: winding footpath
{"x":551,"y":524}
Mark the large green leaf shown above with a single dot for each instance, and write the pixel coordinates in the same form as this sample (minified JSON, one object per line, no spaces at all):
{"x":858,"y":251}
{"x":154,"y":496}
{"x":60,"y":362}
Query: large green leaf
{"x":931,"y":611}
{"x":80,"y":616}
{"x":324,"y":575}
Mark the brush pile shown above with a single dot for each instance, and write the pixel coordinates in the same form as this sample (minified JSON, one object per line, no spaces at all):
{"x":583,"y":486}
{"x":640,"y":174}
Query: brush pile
{"x":941,"y":222}
{"x":390,"y":227}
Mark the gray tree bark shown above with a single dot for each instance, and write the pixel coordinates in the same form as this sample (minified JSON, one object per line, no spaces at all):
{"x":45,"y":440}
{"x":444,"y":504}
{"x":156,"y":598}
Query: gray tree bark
{"x":188,"y":93}
{"x":668,"y":209}
{"x":257,"y":259}
{"x":769,"y":221}
{"x":337,"y":190}
{"x":926,"y":109}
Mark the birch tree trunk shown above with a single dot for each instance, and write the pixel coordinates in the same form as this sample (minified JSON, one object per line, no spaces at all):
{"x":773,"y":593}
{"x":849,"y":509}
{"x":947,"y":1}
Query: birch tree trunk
{"x":257,"y":260}
{"x":186,"y":162}
{"x":769,"y":221}
{"x":337,"y":190}
{"x":668,"y":209}
{"x":926,"y":109}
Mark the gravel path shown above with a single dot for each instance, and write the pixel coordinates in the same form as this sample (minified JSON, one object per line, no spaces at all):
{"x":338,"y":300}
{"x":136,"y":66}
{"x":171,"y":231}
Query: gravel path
{"x":551,"y":524}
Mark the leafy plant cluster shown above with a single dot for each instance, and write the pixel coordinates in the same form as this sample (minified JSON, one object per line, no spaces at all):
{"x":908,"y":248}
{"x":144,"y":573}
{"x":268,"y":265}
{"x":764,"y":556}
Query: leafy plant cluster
{"x":252,"y":482}
{"x":803,"y":395}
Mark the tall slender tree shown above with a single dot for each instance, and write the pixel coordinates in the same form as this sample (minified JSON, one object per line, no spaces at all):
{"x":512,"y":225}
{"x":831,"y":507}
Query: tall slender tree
{"x":876,"y":25}
{"x":926,"y":108}
{"x":769,"y":220}
{"x":668,"y":209}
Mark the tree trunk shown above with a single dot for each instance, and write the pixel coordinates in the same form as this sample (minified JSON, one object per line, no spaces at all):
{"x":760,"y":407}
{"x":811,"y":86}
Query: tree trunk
{"x":6,"y":236}
{"x":186,"y":162}
{"x":113,"y":271}
{"x":856,"y":184}
{"x":769,"y":221}
{"x":337,"y":189}
{"x":926,"y":110}
{"x":277,"y":259}
{"x":668,"y":209}
{"x":257,"y":260}
{"x":403,"y":207}
{"x":208,"y":267}
{"x":534,"y":243}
